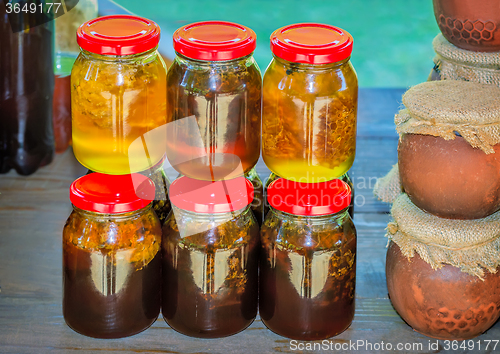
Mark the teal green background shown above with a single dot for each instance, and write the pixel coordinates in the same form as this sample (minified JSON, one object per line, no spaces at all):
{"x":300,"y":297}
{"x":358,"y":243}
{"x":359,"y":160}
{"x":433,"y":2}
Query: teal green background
{"x":392,"y":38}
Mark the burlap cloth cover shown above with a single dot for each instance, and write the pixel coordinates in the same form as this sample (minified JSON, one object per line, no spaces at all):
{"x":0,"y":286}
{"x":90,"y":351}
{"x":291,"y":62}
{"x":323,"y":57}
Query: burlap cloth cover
{"x":453,"y":63}
{"x":441,"y":108}
{"x":471,"y":245}
{"x":388,"y":188}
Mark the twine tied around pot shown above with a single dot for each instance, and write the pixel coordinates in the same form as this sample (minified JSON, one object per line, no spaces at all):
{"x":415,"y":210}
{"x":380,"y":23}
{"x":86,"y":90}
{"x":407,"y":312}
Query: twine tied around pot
{"x":471,"y":245}
{"x":453,"y":63}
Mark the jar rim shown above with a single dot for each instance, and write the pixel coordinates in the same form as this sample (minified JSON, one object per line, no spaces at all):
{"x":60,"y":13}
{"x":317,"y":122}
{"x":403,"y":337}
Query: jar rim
{"x":214,"y":41}
{"x":209,"y":197}
{"x":309,"y":199}
{"x":311,"y":43}
{"x":118,"y":35}
{"x":112,"y":194}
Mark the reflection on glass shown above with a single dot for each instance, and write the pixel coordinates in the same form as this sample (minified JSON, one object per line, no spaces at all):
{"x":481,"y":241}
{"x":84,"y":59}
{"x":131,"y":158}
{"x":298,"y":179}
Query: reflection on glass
{"x":307,"y":274}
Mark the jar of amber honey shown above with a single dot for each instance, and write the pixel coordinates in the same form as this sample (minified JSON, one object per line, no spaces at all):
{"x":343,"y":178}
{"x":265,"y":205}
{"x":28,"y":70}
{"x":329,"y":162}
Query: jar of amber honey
{"x":118,"y":95}
{"x":210,"y":258}
{"x":308,"y":260}
{"x":310,"y":95}
{"x":214,"y":101}
{"x":111,"y":256}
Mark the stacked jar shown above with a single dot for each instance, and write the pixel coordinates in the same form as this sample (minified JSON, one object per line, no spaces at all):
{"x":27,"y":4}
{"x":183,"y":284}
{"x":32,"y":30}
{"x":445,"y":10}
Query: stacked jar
{"x":310,"y":93}
{"x":211,"y":237}
{"x":442,"y":263}
{"x":310,"y":105}
{"x":118,"y":101}
{"x":468,"y":49}
{"x":112,"y":239}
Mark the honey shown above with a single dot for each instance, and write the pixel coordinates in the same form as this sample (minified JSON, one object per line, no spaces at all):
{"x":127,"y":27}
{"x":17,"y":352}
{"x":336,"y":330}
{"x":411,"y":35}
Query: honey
{"x":309,"y":104}
{"x":210,"y":278}
{"x":118,"y":94}
{"x":114,"y":104}
{"x":214,"y":101}
{"x":308,"y":260}
{"x":309,"y":121}
{"x":111,"y":256}
{"x":210,"y":259}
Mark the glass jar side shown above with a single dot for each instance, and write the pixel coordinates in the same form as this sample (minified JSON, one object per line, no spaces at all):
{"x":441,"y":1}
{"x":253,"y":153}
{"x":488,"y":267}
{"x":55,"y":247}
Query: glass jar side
{"x":225,"y":100}
{"x":161,"y":203}
{"x":111,"y":272}
{"x":115,"y":102}
{"x":210,"y":278}
{"x":257,"y":204}
{"x":307,"y":274}
{"x":309,"y":119}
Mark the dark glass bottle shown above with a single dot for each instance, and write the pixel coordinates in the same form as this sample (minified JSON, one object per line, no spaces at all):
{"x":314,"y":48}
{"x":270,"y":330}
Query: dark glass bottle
{"x":26,"y":89}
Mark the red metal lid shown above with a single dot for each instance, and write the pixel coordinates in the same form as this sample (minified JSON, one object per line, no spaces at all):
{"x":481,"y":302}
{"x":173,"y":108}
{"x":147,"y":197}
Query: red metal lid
{"x":111,"y":194}
{"x":211,"y":197}
{"x":311,"y":43}
{"x":118,"y":35}
{"x":309,"y":198}
{"x":214,"y":41}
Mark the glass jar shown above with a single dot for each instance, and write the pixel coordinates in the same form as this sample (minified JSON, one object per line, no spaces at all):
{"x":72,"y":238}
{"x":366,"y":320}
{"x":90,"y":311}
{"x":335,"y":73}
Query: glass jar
{"x":214,"y":101}
{"x":308,"y":260}
{"x":26,"y":89}
{"x":310,"y":95}
{"x":257,"y":204}
{"x":118,"y":95}
{"x":345,"y":177}
{"x":111,"y":256}
{"x":77,"y":12}
{"x":210,"y":258}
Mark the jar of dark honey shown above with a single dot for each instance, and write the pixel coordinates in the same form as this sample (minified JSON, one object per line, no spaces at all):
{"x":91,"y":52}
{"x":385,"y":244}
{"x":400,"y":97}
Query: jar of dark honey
{"x":308,"y":260}
{"x":210,"y":258}
{"x":111,"y":256}
{"x":214,"y":98}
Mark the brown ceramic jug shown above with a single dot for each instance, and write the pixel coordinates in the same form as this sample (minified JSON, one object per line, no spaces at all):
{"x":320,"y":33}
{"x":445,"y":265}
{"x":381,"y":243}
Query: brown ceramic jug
{"x":445,"y":303}
{"x":470,"y":24}
{"x":449,"y":178}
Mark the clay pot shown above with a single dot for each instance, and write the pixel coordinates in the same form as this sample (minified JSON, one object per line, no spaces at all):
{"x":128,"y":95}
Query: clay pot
{"x":470,"y":24}
{"x":449,"y":178}
{"x":445,"y":303}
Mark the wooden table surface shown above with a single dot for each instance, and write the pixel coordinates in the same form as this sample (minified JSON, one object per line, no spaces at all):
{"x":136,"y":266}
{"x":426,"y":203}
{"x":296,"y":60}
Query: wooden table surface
{"x":33,"y":211}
